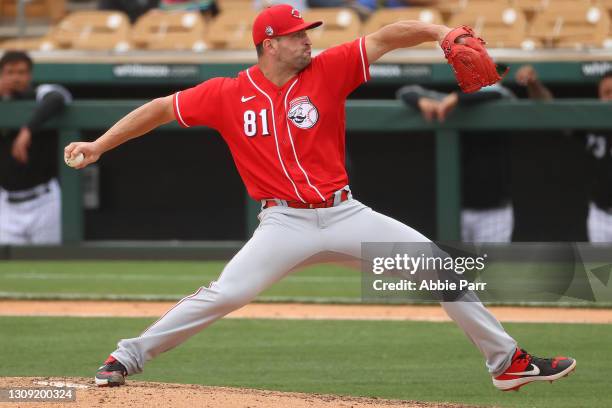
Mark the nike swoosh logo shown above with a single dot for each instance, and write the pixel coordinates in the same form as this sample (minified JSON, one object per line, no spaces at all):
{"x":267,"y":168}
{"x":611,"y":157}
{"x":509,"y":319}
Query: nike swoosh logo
{"x":535,"y":370}
{"x":247,"y":99}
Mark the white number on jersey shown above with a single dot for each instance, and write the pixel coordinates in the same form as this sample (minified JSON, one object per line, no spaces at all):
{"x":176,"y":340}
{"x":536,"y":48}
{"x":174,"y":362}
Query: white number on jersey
{"x":250,"y":123}
{"x":596,"y":145}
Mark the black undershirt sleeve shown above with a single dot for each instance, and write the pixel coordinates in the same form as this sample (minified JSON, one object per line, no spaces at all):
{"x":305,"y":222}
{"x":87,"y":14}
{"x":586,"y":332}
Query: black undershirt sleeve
{"x":51,"y":105}
{"x":411,"y":99}
{"x":478,"y":97}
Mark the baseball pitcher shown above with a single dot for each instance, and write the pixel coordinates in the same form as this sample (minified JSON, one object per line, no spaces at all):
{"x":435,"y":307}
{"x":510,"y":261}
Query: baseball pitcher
{"x":284,"y":122}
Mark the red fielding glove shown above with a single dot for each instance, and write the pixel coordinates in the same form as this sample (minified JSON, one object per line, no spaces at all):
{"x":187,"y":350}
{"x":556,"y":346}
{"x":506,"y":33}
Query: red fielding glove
{"x":469,"y":59}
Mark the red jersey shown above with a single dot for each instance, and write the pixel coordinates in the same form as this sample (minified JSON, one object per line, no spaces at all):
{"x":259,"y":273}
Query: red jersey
{"x":287,"y":142}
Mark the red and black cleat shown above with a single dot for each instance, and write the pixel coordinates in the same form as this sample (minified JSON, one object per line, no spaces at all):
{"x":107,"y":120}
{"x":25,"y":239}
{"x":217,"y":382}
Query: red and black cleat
{"x":526,"y":368}
{"x":111,"y":374}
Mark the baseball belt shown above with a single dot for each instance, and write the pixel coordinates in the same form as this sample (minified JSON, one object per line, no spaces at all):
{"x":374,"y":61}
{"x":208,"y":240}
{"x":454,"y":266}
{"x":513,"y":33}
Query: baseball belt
{"x":335,"y":199}
{"x":21,"y":196}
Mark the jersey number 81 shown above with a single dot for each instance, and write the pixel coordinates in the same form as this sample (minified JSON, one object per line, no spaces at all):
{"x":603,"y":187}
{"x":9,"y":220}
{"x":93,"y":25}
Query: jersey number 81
{"x":250,"y":122}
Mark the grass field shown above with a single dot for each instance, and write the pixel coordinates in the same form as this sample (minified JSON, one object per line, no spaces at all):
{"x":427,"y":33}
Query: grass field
{"x":176,"y":279}
{"x":416,"y":361}
{"x":405,"y":360}
{"x":165,"y":280}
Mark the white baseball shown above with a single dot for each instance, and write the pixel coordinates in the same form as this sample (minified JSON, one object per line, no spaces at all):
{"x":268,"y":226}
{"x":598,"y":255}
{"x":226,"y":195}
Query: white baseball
{"x":74,"y":161}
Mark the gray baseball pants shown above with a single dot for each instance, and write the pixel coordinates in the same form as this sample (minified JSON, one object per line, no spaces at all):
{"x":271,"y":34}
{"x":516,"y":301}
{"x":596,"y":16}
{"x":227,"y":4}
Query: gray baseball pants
{"x":286,"y":239}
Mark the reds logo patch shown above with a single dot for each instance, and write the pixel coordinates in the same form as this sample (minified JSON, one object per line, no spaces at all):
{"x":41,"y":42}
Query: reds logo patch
{"x":296,"y":13}
{"x":303,"y":113}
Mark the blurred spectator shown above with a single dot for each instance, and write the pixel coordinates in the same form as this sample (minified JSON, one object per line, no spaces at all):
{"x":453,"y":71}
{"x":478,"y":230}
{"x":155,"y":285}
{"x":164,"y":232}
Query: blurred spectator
{"x":366,"y":7}
{"x":376,"y":4}
{"x":30,"y":199}
{"x":526,"y":76}
{"x":363,"y":11}
{"x":133,"y":8}
{"x":599,"y":145}
{"x":206,"y":7}
{"x":298,"y":4}
{"x":331,"y":3}
{"x":369,"y":4}
{"x":487,"y":213}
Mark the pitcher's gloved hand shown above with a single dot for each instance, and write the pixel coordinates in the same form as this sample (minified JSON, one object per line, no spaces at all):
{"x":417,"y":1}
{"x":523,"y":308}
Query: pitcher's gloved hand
{"x":469,"y":59}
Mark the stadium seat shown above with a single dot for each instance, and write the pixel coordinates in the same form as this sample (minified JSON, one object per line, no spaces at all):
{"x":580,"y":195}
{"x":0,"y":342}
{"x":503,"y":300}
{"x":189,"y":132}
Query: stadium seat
{"x":93,"y":30}
{"x":533,"y":5}
{"x":387,"y":16}
{"x":339,"y":25}
{"x":40,"y":9}
{"x":604,"y":4}
{"x":225,"y":5}
{"x":501,"y":27}
{"x":570,"y":25}
{"x":232,"y":30}
{"x":567,"y":3}
{"x":169,"y":30}
{"x":448,"y":8}
{"x":487,"y":3}
{"x":29,"y":44}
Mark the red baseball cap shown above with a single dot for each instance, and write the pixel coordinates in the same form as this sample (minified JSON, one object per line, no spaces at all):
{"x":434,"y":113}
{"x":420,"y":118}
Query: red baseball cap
{"x":279,"y":20}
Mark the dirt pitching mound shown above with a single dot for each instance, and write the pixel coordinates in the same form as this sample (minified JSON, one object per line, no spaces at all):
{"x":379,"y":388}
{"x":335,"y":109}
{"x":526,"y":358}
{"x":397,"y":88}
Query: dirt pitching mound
{"x":158,"y":395}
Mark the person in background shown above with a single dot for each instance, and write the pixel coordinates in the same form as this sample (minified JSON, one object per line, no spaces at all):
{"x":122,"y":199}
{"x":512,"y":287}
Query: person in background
{"x":208,"y":8}
{"x":363,"y":11}
{"x":133,"y":8}
{"x":527,"y":76}
{"x":366,"y":7}
{"x":599,"y":146}
{"x":376,"y":4}
{"x":330,"y":3}
{"x":298,"y":4}
{"x":30,"y":199}
{"x":487,"y":213}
